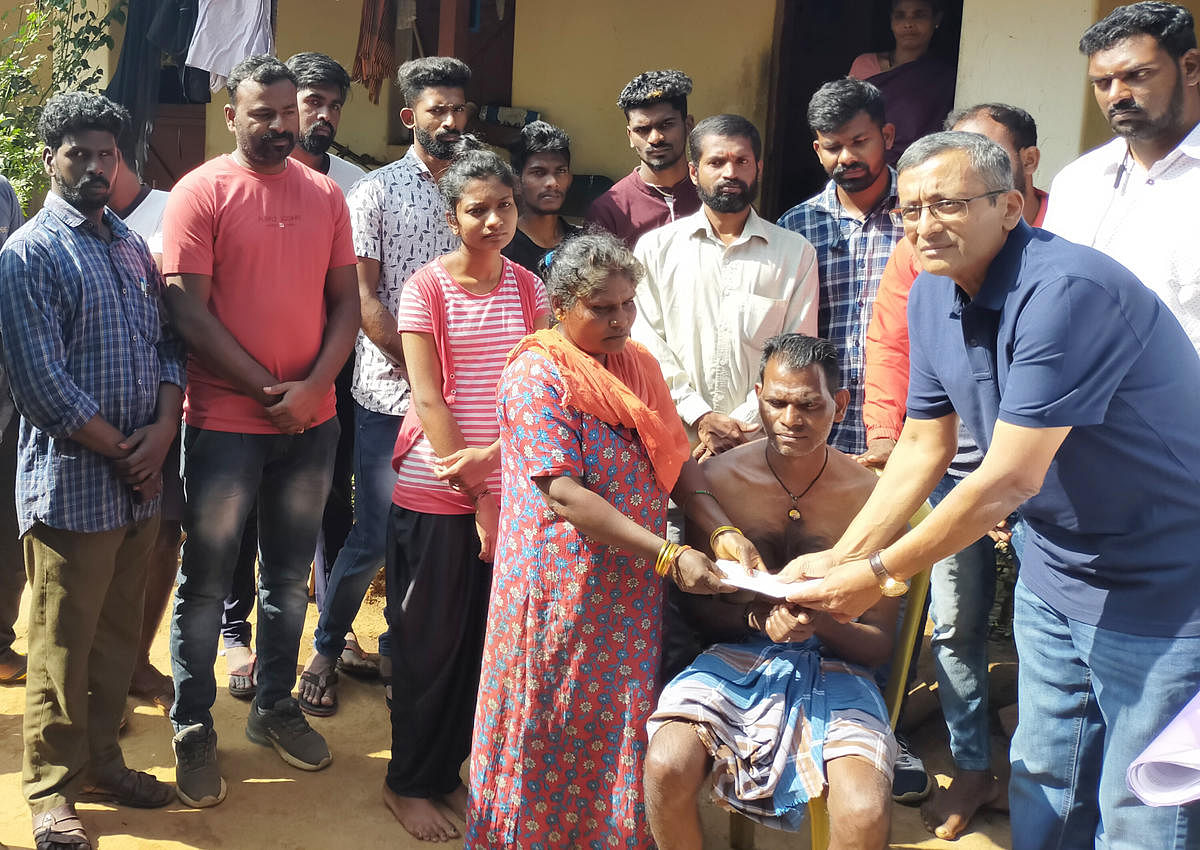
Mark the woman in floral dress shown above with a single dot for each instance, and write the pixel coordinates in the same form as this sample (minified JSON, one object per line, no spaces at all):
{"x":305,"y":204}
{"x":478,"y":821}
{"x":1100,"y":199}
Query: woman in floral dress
{"x":591,"y":450}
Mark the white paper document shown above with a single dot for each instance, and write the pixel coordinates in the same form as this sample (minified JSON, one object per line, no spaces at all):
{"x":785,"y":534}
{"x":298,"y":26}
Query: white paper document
{"x":765,"y":583}
{"x":1167,"y":773}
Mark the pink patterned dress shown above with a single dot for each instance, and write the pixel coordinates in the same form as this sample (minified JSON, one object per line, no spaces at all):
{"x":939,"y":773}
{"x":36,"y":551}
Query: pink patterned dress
{"x":570,"y":665}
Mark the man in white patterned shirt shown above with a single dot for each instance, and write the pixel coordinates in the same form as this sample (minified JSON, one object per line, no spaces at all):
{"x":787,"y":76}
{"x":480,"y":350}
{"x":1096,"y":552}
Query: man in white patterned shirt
{"x":719,"y":283}
{"x":399,"y":223}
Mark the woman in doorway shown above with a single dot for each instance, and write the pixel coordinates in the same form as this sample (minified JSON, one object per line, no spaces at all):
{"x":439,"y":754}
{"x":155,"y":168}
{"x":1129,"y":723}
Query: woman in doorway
{"x":459,"y":317}
{"x":918,"y":88}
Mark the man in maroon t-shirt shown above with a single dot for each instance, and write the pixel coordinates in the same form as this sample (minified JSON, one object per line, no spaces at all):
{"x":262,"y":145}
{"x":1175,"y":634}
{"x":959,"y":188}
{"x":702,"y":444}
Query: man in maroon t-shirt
{"x":659,"y":190}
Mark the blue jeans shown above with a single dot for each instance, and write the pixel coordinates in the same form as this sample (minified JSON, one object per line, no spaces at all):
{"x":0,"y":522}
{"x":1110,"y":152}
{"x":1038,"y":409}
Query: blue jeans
{"x":1090,"y":701}
{"x":365,"y":548}
{"x":224,"y":475}
{"x":961,"y":590}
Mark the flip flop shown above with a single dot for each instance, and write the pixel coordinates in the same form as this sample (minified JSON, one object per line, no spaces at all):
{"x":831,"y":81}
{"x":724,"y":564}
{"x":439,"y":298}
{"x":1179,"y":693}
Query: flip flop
{"x":243,"y":681}
{"x":13,"y":666}
{"x":59,"y":829}
{"x":355,"y":661}
{"x":326,"y":683}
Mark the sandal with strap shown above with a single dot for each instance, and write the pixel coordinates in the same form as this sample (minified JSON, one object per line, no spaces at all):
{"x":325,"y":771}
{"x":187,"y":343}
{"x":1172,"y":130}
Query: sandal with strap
{"x":243,"y":681}
{"x":355,"y":661}
{"x":13,"y":666}
{"x":325,"y":683}
{"x":60,"y":829}
{"x":130,"y":787}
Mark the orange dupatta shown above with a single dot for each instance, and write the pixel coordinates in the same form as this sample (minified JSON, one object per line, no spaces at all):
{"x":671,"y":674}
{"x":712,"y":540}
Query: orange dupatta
{"x":628,"y":391}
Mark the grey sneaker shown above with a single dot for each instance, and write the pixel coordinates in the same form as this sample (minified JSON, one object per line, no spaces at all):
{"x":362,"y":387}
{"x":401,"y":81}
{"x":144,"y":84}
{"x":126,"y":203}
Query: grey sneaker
{"x":198,"y":779}
{"x":911,"y":783}
{"x":284,"y":728}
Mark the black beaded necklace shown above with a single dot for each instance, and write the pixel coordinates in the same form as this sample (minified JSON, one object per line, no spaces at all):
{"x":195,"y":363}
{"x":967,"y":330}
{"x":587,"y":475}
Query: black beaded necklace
{"x":794,"y":513}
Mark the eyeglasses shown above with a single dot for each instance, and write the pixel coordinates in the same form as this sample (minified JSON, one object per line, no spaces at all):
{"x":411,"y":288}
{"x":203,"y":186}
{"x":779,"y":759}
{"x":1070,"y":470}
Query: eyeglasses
{"x":947,"y":209}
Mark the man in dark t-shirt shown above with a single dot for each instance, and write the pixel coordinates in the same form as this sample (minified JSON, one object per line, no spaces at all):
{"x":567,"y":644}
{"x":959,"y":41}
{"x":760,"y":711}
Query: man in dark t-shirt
{"x":541,"y":159}
{"x":659,"y":190}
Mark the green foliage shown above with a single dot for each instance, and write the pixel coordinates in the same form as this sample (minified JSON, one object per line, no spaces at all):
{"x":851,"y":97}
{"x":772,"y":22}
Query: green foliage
{"x":47,"y":51}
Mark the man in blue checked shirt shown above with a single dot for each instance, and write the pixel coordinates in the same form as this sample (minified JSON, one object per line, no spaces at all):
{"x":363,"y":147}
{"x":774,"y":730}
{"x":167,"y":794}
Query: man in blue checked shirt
{"x":99,"y":387}
{"x":851,"y":226}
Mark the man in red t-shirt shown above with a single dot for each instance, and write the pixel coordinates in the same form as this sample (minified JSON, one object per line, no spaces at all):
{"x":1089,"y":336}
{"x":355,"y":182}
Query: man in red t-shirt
{"x":659,"y":190}
{"x":259,"y":263}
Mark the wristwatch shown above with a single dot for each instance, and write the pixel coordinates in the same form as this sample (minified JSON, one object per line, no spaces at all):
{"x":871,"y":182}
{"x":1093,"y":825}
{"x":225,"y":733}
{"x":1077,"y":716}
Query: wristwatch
{"x":888,"y":586}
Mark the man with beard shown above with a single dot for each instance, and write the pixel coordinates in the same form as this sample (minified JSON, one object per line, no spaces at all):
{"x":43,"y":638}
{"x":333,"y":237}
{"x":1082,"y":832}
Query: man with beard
{"x":1134,"y":197}
{"x":321,"y":88}
{"x":790,"y":493}
{"x":541,"y":159}
{"x":718,"y":284}
{"x":851,"y":227}
{"x":399,"y":222}
{"x":659,"y":190}
{"x":98,"y":386}
{"x":260,"y":271}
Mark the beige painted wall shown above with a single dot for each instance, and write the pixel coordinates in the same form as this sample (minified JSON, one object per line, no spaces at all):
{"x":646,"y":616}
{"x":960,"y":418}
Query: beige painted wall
{"x":1024,"y":52}
{"x":571,"y":66}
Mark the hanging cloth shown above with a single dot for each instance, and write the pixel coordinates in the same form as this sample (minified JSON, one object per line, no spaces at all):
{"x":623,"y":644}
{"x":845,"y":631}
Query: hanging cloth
{"x":375,"y":56}
{"x":135,"y":83}
{"x":227,"y":31}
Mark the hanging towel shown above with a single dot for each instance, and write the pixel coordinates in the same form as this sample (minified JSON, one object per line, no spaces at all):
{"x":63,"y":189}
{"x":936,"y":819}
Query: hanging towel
{"x":228,"y":31}
{"x":375,"y":56}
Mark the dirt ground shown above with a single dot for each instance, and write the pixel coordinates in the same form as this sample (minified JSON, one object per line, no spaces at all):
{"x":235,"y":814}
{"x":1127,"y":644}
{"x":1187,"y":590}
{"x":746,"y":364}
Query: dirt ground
{"x":273,"y":805}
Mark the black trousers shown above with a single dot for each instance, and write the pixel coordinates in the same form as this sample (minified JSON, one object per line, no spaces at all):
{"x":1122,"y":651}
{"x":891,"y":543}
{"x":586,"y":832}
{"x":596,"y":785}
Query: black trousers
{"x":437,"y":612}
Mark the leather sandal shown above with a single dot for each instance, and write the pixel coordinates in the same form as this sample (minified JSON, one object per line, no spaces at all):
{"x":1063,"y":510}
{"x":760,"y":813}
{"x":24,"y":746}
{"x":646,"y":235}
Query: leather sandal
{"x":325,"y":684}
{"x":130,"y":787}
{"x":60,"y":829}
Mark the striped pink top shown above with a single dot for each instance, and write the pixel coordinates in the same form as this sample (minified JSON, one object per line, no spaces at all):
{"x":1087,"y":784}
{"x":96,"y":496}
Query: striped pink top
{"x":480,"y":331}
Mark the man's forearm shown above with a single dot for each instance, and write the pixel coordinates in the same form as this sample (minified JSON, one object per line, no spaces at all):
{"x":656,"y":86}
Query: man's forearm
{"x":340,"y":330}
{"x":99,"y":435}
{"x":968,"y":512}
{"x":211,"y":342}
{"x":170,"y":403}
{"x":379,"y":326}
{"x":919,"y":461}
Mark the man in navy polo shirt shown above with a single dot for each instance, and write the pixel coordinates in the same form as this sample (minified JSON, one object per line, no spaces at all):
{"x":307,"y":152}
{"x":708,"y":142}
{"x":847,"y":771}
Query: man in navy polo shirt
{"x":1084,"y":392}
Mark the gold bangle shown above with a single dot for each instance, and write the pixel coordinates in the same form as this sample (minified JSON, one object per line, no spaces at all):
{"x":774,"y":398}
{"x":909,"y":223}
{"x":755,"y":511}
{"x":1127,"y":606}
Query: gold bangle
{"x":717,"y":532}
{"x":660,"y":564}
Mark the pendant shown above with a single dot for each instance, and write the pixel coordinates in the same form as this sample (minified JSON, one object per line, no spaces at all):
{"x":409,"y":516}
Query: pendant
{"x":793,"y":514}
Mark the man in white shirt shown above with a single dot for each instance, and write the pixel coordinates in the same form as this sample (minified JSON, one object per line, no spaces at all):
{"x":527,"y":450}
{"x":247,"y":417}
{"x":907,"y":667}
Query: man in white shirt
{"x":1134,"y":197}
{"x":322,"y":86}
{"x":719,"y":283}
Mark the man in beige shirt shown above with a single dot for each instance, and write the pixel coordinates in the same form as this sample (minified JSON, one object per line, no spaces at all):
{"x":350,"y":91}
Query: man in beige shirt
{"x":718,"y":284}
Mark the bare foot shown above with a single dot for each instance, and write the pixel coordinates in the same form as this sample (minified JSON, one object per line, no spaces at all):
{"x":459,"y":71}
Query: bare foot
{"x":320,"y":689}
{"x":456,"y":801}
{"x":949,"y":810}
{"x":148,"y":683}
{"x":419,"y":816}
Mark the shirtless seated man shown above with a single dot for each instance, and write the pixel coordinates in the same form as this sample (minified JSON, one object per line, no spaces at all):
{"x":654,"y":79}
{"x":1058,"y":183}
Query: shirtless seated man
{"x":816,"y":716}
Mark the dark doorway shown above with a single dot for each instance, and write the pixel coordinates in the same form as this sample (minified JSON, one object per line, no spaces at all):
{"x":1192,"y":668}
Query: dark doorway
{"x":816,"y":40}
